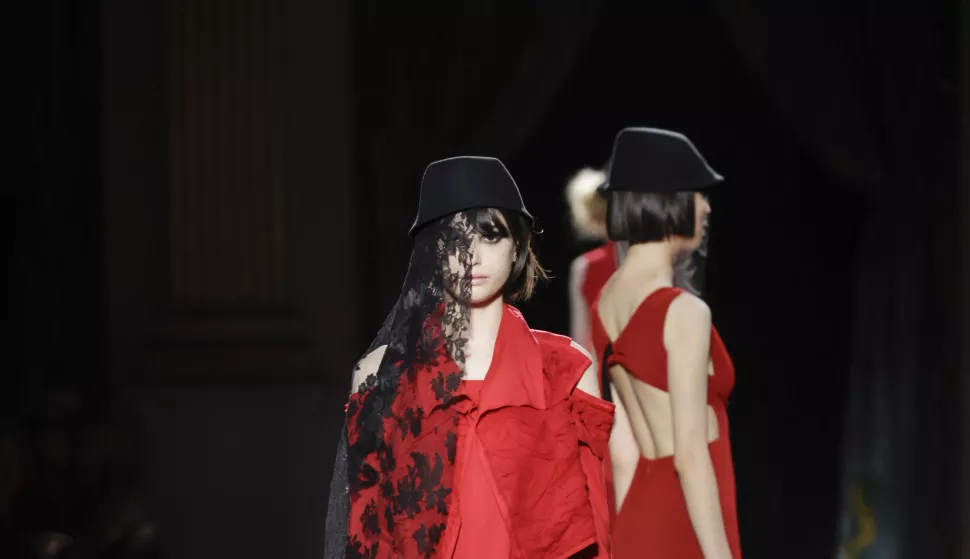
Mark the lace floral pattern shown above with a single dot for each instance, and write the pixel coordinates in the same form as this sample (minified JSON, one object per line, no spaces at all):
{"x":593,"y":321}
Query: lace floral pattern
{"x":405,"y":410}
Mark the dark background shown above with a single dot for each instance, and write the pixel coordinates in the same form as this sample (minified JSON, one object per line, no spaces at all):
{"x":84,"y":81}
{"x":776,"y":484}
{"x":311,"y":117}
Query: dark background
{"x":207,"y":215}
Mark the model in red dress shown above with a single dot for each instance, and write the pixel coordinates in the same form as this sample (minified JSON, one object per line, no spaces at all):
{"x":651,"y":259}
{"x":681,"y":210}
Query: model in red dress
{"x":588,"y":275}
{"x":653,"y":519}
{"x":667,"y":369}
{"x":590,"y":270}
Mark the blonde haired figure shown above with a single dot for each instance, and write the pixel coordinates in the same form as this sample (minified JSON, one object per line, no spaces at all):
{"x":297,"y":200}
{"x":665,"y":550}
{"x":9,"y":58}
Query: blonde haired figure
{"x":590,"y":270}
{"x":588,"y":273}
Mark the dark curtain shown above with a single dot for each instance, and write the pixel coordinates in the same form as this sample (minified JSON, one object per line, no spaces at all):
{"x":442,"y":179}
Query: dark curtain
{"x":69,"y":457}
{"x":863,"y":86}
{"x":453,"y":78}
{"x":53,"y":249}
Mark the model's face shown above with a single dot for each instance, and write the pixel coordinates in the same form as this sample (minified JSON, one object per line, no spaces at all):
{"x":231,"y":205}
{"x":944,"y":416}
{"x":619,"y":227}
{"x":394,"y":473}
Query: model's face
{"x":702,"y":210}
{"x":492,"y":256}
{"x":491,"y":267}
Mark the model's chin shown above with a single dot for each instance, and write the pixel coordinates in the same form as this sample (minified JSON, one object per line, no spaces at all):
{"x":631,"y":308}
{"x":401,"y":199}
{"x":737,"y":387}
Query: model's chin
{"x":697,"y":241}
{"x":484,"y":294}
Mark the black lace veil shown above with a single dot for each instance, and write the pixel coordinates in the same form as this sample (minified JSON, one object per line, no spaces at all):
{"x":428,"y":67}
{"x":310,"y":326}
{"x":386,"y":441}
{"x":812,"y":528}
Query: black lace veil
{"x":423,"y":338}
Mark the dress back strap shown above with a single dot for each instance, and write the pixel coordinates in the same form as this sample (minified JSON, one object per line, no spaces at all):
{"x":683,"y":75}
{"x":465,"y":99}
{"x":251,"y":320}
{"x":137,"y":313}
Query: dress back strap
{"x":605,"y":373}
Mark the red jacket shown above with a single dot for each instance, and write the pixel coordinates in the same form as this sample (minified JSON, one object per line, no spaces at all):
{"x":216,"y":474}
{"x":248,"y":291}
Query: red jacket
{"x":543,"y":444}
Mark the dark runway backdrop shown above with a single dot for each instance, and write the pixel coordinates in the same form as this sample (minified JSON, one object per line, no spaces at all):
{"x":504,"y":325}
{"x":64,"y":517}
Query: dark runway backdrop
{"x":832,"y":124}
{"x":210,"y":213}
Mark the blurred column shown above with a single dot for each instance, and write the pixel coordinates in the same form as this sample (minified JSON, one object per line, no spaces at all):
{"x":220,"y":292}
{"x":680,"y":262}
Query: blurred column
{"x":228,"y":212}
{"x":258,"y":195}
{"x":231,"y":209}
{"x":229,"y":307}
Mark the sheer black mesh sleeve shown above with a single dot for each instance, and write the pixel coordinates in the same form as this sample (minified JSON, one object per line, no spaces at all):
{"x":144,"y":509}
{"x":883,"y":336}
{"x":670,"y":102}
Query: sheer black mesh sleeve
{"x":338,"y":508}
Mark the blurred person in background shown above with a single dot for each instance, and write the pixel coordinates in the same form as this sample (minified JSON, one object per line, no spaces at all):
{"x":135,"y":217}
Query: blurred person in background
{"x":588,"y":272}
{"x":586,"y":199}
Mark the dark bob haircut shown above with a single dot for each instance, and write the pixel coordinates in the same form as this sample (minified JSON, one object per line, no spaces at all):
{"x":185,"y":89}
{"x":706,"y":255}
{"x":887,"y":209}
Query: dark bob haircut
{"x":638,"y":217}
{"x":526,"y":272}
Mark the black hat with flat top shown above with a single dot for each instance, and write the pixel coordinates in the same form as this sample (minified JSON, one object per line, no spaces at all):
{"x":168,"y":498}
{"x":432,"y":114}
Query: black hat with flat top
{"x":463,"y":183}
{"x":651,"y":160}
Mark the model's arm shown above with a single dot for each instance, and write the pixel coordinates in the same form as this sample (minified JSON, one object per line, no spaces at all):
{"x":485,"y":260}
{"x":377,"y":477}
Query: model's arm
{"x":588,"y":383}
{"x":367,"y":366}
{"x":578,"y":311}
{"x":687,"y":336}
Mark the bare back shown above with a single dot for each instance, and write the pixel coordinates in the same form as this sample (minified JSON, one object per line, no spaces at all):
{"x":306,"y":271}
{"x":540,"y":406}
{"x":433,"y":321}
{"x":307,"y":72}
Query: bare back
{"x":647,"y":408}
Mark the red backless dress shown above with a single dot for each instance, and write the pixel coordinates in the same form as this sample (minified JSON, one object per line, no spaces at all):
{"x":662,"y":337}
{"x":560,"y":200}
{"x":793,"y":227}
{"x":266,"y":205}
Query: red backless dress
{"x":601,"y":262}
{"x":653,"y":520}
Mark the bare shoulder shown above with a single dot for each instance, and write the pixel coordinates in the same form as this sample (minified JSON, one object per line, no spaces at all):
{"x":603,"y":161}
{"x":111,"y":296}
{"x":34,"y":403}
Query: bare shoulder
{"x":551,"y":343}
{"x":620,"y":299}
{"x":578,"y":266}
{"x":367,"y":366}
{"x":558,"y":341}
{"x":688,"y":321}
{"x":689,"y":310}
{"x":588,"y":383}
{"x":579,"y":348}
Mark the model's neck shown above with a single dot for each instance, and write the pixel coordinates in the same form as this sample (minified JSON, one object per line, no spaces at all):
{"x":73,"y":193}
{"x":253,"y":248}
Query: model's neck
{"x":484,"y":320}
{"x":654,"y":259}
{"x":621,"y":247}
